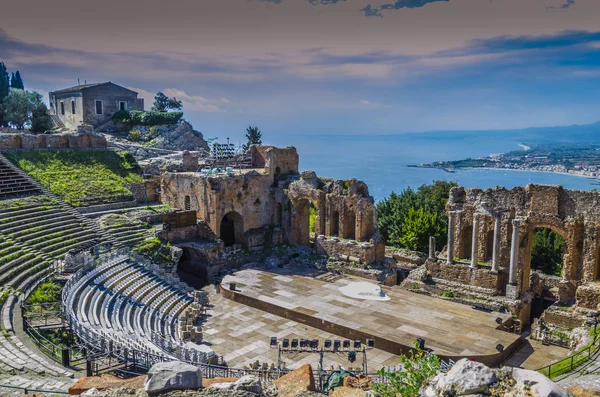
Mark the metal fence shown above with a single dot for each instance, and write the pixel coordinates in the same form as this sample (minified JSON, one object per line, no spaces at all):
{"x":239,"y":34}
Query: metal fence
{"x":573,"y":361}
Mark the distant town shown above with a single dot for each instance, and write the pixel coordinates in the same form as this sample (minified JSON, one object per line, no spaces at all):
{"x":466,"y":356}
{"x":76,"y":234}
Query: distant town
{"x":576,"y":159}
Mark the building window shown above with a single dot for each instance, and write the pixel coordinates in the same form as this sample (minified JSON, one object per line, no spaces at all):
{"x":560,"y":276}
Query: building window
{"x":73,"y":107}
{"x":122,"y":105}
{"x":98,"y":107}
{"x":62,"y":108}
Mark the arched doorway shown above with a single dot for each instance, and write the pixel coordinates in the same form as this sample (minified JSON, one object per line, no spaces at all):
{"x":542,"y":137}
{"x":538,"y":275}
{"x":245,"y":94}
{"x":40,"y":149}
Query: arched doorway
{"x":334,"y":224}
{"x":278,"y":215}
{"x":547,"y":251}
{"x":232,"y":229}
{"x":350,"y":225}
{"x":300,"y":223}
{"x":548,"y":247}
{"x":193,"y":268}
{"x":466,"y":241}
{"x":489,"y":245}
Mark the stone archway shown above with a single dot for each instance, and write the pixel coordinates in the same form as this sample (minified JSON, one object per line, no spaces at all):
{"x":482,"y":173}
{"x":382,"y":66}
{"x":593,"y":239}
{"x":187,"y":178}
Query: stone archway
{"x":334,"y":224}
{"x":466,"y":242}
{"x":300,"y":223}
{"x":349,"y":224}
{"x":231,"y":230}
{"x":489,"y":245}
{"x":193,"y":268}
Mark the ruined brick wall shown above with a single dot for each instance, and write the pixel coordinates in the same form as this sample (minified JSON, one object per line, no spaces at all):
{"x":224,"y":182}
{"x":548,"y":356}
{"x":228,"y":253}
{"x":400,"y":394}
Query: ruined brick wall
{"x":269,"y":209}
{"x":575,"y":215}
{"x":350,"y":250}
{"x":52,"y":141}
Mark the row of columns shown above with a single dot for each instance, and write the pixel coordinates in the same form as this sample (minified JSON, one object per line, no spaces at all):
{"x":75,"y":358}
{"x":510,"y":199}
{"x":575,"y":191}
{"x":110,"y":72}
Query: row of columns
{"x":514,"y":246}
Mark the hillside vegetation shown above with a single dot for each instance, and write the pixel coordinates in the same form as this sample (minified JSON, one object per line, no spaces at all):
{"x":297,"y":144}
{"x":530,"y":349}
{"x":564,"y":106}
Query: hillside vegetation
{"x":81,"y":177}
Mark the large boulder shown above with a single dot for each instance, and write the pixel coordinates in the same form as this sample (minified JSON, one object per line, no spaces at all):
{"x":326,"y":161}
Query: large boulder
{"x":104,"y":382}
{"x":535,"y":384}
{"x":464,"y":378}
{"x":246,"y":384}
{"x":295,"y":382}
{"x":173,"y":375}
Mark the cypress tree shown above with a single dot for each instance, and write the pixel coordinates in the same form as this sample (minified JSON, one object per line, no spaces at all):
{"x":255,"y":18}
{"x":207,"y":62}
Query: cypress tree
{"x":19,"y":84}
{"x":4,"y":89}
{"x":16,"y":81}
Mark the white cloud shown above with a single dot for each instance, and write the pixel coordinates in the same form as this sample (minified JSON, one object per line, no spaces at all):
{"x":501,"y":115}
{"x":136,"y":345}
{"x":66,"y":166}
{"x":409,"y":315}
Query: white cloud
{"x":366,"y":102}
{"x":190,"y":102}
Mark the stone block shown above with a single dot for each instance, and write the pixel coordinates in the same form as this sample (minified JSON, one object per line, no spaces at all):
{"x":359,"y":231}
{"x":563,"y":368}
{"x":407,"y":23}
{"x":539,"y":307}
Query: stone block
{"x":104,"y":382}
{"x":297,"y":381}
{"x":173,"y":375}
{"x":347,"y":392}
{"x":577,"y":391}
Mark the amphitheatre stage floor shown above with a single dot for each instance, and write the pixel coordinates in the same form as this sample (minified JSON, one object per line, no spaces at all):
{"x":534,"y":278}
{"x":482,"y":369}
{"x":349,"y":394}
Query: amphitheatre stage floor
{"x":451,"y":330}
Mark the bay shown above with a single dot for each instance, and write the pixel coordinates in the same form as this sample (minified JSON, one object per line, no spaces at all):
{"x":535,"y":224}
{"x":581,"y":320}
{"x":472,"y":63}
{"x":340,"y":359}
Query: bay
{"x":382,"y":160}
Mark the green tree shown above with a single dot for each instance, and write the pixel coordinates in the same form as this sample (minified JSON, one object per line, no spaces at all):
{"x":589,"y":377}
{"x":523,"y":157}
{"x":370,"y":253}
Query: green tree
{"x":16,"y":81}
{"x":418,"y":225}
{"x":547,"y":251}
{"x":4,"y":89}
{"x":40,"y":119}
{"x":163,"y":103}
{"x":417,"y":367}
{"x":253,"y":137}
{"x":18,"y":108}
{"x":392,"y":211}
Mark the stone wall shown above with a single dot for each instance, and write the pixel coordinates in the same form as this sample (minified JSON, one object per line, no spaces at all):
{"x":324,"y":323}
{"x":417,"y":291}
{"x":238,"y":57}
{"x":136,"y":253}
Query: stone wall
{"x":52,"y":141}
{"x":270,"y":206}
{"x":502,"y":222}
{"x":464,"y":274}
{"x":350,"y":250}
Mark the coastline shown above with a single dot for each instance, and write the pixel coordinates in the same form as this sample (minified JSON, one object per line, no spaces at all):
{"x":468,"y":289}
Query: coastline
{"x":522,"y":170}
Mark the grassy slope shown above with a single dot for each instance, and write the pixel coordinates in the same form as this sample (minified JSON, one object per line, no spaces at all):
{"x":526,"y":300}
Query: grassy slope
{"x":81,"y":177}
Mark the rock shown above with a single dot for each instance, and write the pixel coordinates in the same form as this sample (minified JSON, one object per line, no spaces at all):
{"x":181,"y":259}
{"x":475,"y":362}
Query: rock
{"x":173,"y":375}
{"x":536,"y":383}
{"x":347,"y":392}
{"x":210,"y":382}
{"x":297,"y":381}
{"x":248,"y":383}
{"x":577,"y":391}
{"x":360,"y":382}
{"x":464,"y":378}
{"x":104,"y":382}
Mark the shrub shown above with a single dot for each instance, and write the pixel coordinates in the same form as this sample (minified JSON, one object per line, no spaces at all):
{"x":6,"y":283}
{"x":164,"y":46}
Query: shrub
{"x":417,"y":367}
{"x":134,"y":136}
{"x":48,"y":292}
{"x":137,"y":117}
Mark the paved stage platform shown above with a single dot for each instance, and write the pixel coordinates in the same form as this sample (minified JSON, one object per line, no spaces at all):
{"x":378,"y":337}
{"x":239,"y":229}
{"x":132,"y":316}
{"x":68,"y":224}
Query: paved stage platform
{"x":450,"y":330}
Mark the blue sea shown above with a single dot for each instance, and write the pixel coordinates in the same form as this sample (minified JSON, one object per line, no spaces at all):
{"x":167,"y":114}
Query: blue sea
{"x":382,"y":161}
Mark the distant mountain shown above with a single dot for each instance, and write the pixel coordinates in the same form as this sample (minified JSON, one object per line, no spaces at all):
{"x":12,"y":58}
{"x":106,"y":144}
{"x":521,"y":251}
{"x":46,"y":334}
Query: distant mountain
{"x":587,"y":133}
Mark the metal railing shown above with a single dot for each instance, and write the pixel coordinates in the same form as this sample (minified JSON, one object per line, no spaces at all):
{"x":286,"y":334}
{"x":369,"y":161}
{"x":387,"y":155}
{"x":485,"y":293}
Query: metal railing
{"x":26,"y":390}
{"x":573,"y":361}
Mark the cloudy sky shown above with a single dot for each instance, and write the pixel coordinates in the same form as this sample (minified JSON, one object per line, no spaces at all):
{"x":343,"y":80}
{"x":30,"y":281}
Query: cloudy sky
{"x":323,"y":66}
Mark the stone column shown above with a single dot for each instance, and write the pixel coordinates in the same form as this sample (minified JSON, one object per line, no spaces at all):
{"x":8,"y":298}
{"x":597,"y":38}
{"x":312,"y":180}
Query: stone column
{"x":451,"y":222}
{"x":496,"y":248}
{"x":475,"y":242}
{"x":514,"y":253}
{"x":431,"y":247}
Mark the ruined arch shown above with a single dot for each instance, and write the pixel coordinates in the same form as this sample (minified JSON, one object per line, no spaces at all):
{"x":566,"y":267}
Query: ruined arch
{"x":489,"y":245}
{"x":349,"y":230}
{"x":466,"y":242}
{"x":231,"y":230}
{"x":300,"y":222}
{"x":334,"y":223}
{"x":542,"y":227}
{"x":86,"y":141}
{"x":278,"y":221}
{"x":193,"y":268}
